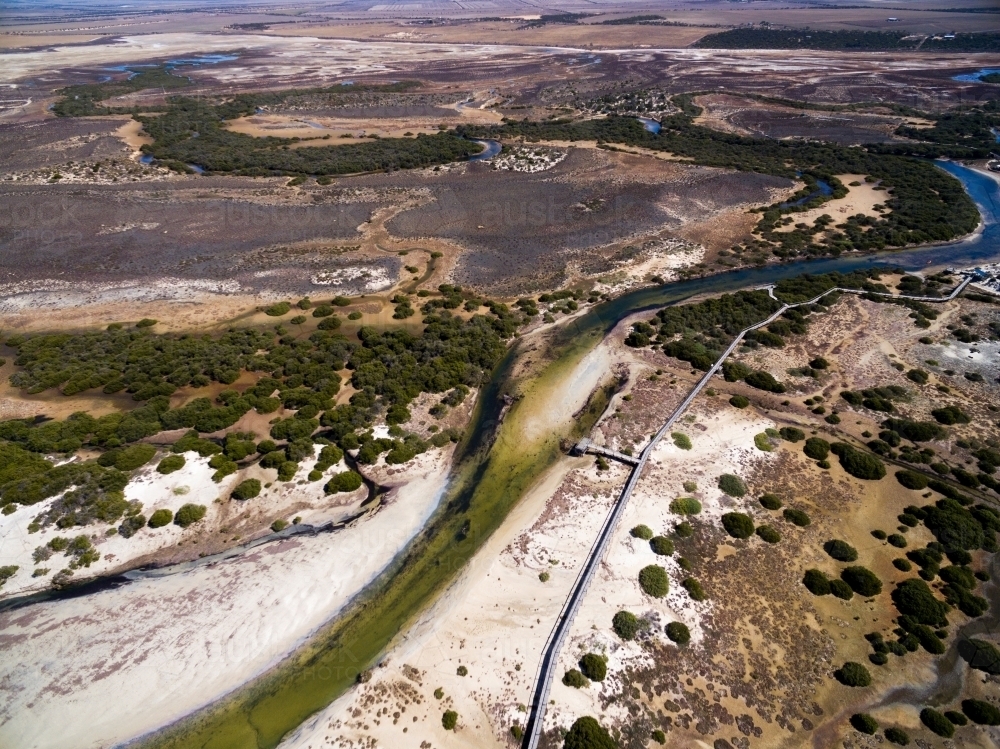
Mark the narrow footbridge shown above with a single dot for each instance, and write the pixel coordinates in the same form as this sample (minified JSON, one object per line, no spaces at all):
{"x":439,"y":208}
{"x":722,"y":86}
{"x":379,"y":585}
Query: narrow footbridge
{"x":563,"y":624}
{"x":585,"y":446}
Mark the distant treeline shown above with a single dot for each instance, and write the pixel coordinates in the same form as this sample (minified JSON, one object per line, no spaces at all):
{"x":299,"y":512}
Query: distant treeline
{"x":846,"y":41}
{"x":192,"y":131}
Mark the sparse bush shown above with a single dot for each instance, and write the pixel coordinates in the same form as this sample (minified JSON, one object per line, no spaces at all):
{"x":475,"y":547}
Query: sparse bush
{"x":864,"y":723}
{"x":642,"y":531}
{"x":841,"y":550}
{"x":682,"y":440}
{"x":661,"y":545}
{"x":594,"y":666}
{"x":796,"y":517}
{"x":853,"y":674}
{"x":654,"y":581}
{"x":732,"y":485}
{"x":738,"y":525}
{"x":981,"y":713}
{"x":246,"y":490}
{"x":679,"y":633}
{"x":768,"y":533}
{"x":573,"y":678}
{"x":189,"y":514}
{"x":170,"y":464}
{"x":685,"y":506}
{"x":160,"y":518}
{"x":462,"y":671}
{"x":449,"y":720}
{"x":770,"y":502}
{"x":625,"y":624}
{"x":659,"y":736}
{"x":937,"y":722}
{"x":544,"y":576}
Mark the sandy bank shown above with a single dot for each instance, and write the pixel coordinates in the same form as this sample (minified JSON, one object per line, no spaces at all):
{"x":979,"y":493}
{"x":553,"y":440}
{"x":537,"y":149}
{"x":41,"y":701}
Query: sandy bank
{"x":166,"y":646}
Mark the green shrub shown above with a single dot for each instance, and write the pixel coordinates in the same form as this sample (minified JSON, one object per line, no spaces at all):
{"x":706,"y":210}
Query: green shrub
{"x":896,"y":539}
{"x":679,"y":633}
{"x":914,"y":598}
{"x":862,"y":581}
{"x":791,"y":434}
{"x":956,"y":717}
{"x":246,"y":489}
{"x":903,"y":565}
{"x":911,"y":479}
{"x":462,"y":671}
{"x":980,"y":655}
{"x":682,"y":440}
{"x":738,"y":525}
{"x":449,"y":720}
{"x":594,"y":666}
{"x":685,"y":506}
{"x":768,"y":533}
{"x":816,"y":582}
{"x":160,"y":518}
{"x":841,"y":590}
{"x":859,"y":464}
{"x":763,"y":443}
{"x":816,"y":448}
{"x":130,"y":525}
{"x":544,"y":576}
{"x":128,"y":458}
{"x":189,"y":514}
{"x":625,"y":625}
{"x":981,"y":713}
{"x":573,"y":678}
{"x":732,"y":485}
{"x":659,"y":736}
{"x":278,"y":309}
{"x":796,"y":517}
{"x":7,"y":572}
{"x":950,"y":415}
{"x":654,"y":581}
{"x":764,"y":381}
{"x":770,"y":502}
{"x":347,"y":481}
{"x":661,"y":545}
{"x":587,"y":733}
{"x":279,"y":525}
{"x":841,"y":550}
{"x":937,"y":722}
{"x":853,"y":674}
{"x":694,"y":589}
{"x":170,"y":464}
{"x":864,"y":723}
{"x":897,"y":736}
{"x":739,"y":401}
{"x":642,"y":531}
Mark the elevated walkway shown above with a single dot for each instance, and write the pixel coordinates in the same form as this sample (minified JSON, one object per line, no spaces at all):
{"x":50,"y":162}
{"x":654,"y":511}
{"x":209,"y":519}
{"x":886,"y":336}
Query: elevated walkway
{"x":585,"y":446}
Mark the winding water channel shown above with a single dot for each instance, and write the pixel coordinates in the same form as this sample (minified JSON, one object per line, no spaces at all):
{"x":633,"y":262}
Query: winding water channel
{"x":494,"y":468}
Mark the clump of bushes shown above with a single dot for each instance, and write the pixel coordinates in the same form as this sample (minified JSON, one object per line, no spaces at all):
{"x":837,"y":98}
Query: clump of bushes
{"x":127,"y":458}
{"x":950,"y":415}
{"x":937,"y":722}
{"x":642,"y":531}
{"x":170,"y":464}
{"x":897,"y":736}
{"x":661,"y":545}
{"x":626,"y":625}
{"x":587,"y":733}
{"x":732,"y":485}
{"x":791,"y":434}
{"x":859,"y":464}
{"x":347,"y":481}
{"x":654,"y":581}
{"x":853,"y":674}
{"x":768,"y":533}
{"x":911,"y":479}
{"x":679,"y":633}
{"x":840,"y":550}
{"x":449,"y":720}
{"x":914,"y":598}
{"x":862,"y":580}
{"x":189,"y":514}
{"x":685,"y":506}
{"x":738,"y":525}
{"x":684,"y":530}
{"x":816,"y":448}
{"x":278,"y":309}
{"x":739,"y":401}
{"x":246,"y":490}
{"x":594,"y":666}
{"x":981,"y":713}
{"x":160,"y":518}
